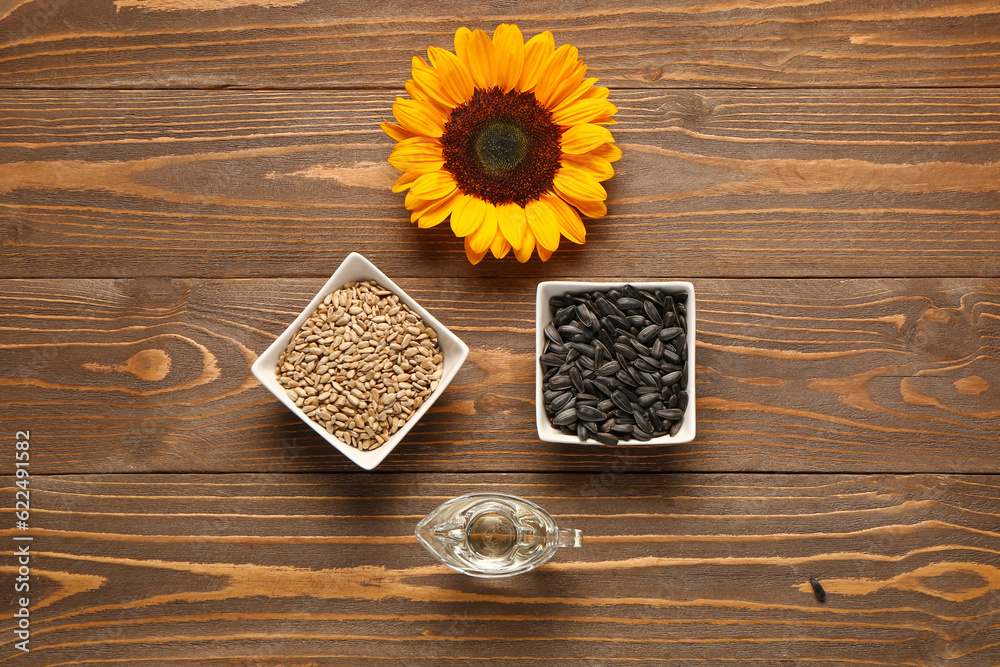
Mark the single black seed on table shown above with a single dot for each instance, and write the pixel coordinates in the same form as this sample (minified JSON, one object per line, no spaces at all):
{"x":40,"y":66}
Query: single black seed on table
{"x":817,"y":589}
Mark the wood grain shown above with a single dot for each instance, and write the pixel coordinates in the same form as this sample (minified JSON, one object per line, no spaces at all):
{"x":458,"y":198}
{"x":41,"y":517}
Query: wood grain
{"x":313,"y":44}
{"x":713,"y":183}
{"x":793,"y":375}
{"x":691,"y":569}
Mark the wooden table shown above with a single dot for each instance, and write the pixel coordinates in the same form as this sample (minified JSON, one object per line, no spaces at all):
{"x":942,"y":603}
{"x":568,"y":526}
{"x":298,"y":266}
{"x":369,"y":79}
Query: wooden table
{"x":179,"y":177}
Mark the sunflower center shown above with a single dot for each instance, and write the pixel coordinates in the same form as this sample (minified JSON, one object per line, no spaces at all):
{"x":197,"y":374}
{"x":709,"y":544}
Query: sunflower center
{"x":502,"y":147}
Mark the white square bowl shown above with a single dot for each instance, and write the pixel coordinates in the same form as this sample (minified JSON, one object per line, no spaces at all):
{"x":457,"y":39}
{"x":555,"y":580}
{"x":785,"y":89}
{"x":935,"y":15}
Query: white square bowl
{"x":357,"y":268}
{"x":544,"y":315}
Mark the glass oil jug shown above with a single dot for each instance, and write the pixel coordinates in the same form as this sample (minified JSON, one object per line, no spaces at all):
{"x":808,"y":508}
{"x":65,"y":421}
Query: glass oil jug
{"x":493,"y":535}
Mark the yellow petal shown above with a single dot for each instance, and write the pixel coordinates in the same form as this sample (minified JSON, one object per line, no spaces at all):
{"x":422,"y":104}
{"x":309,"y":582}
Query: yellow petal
{"x":436,"y":213}
{"x":474,"y":257}
{"x":576,"y":93}
{"x":482,"y":60}
{"x":543,"y":223}
{"x":583,"y":111}
{"x":404,"y":182}
{"x":595,"y":165}
{"x":499,"y":247}
{"x":417,"y":154}
{"x":430,"y":84}
{"x":606,"y":120}
{"x":508,"y":43}
{"x":570,"y":224}
{"x":434,"y":186}
{"x":568,"y":85}
{"x":582,"y":138}
{"x":598,"y":92}
{"x":418,"y":117}
{"x":572,"y":182}
{"x":591,"y":209}
{"x":609,"y":152}
{"x":544,"y":254}
{"x":468,"y":215}
{"x":554,"y":71}
{"x":523,"y":253}
{"x":454,"y":75}
{"x":462,"y":37}
{"x":397,"y":132}
{"x":512,"y":223}
{"x":416,"y":92}
{"x":481,"y":239}
{"x":536,"y":52}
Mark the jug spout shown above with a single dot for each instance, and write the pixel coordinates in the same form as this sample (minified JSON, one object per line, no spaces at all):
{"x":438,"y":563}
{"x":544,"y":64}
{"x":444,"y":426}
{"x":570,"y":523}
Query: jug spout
{"x":569,"y":537}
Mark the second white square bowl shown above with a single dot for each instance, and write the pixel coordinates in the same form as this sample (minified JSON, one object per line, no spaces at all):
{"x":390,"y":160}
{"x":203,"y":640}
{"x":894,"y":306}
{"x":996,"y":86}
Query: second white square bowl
{"x":543,"y":315}
{"x":357,"y":268}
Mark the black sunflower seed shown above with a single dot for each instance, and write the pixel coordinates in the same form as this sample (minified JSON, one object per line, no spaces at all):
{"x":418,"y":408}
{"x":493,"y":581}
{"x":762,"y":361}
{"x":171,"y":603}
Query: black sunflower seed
{"x":637,"y":321}
{"x":549,"y":359}
{"x":641,"y":434}
{"x":671,"y":357}
{"x":604,"y":307}
{"x":626,"y":351}
{"x":657,"y":350}
{"x":625,"y":378}
{"x":609,"y":368}
{"x":622,"y":428}
{"x":628,"y":303}
{"x":639,"y":347}
{"x":655,"y":421}
{"x":560,"y":401}
{"x":817,"y":589}
{"x":586,"y":362}
{"x":670,"y":378}
{"x":556,"y":302}
{"x":652,"y":312}
{"x":641,"y":421}
{"x":621,"y":400}
{"x":569,"y":330}
{"x":670,"y":413}
{"x":581,"y":431}
{"x":560,"y":382}
{"x":675,"y":429}
{"x":606,"y":439}
{"x":565,"y":417}
{"x":682,"y":401}
{"x":582,"y":348}
{"x":590,"y":414}
{"x":564,"y":316}
{"x":586,"y":317}
{"x":576,"y":379}
{"x":669,"y":333}
{"x":648,"y":334}
{"x":631,"y":292}
{"x":672,"y":401}
{"x":647,"y":400}
{"x":552,"y":334}
{"x":605,"y":405}
{"x":619,"y":322}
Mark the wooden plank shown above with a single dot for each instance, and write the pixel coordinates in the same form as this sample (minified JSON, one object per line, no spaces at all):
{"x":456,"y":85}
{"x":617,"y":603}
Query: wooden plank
{"x":713,"y":183}
{"x":683,"y":568}
{"x":793,"y":375}
{"x":332,"y":43}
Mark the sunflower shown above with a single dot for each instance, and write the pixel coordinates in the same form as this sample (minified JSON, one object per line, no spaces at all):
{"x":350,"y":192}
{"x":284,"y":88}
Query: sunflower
{"x":508,"y":139}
